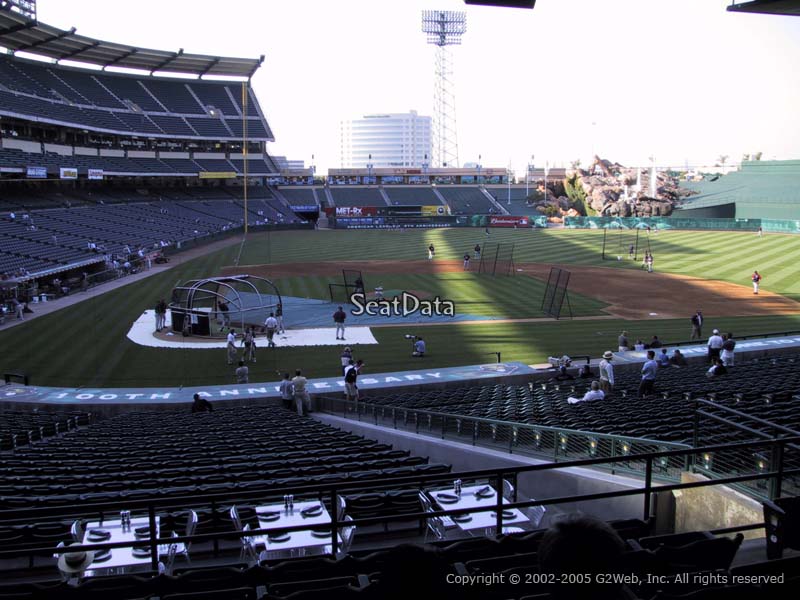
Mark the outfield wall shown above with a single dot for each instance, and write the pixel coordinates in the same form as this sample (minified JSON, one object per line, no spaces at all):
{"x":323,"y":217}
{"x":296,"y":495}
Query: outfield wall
{"x":698,"y":223}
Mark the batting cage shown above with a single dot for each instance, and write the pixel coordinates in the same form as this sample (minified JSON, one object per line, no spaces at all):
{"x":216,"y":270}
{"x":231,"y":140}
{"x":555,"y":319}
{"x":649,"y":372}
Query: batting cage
{"x":353,"y":283}
{"x":619,"y":242}
{"x":497,"y":259}
{"x":556,"y":293}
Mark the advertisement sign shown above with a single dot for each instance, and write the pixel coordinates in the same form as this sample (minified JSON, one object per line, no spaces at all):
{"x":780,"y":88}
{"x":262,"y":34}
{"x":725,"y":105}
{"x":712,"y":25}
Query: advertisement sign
{"x":95,"y":173}
{"x":434,"y":211}
{"x":68,"y":173}
{"x":509,"y":221}
{"x":37,"y":172}
{"x":305,"y":208}
{"x":351,"y":211}
{"x":216,"y":175}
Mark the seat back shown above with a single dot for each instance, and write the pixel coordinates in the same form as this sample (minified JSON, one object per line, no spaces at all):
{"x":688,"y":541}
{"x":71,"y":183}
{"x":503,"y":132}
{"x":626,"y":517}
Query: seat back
{"x":347,"y":532}
{"x":237,"y":522}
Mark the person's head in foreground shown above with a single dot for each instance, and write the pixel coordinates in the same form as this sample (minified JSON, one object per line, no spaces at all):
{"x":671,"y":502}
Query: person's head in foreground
{"x":582,"y":545}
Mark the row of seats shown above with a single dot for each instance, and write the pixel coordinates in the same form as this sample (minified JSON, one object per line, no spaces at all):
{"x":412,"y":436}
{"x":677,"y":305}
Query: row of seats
{"x":15,"y":158}
{"x":126,"y":103}
{"x":58,"y":237}
{"x":764,"y":388}
{"x":18,"y":428}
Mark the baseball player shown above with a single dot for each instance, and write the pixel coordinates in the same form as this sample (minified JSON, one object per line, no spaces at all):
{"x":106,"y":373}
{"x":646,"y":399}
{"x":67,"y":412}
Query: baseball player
{"x":431,"y":252}
{"x":466,"y":261}
{"x":756,"y":278}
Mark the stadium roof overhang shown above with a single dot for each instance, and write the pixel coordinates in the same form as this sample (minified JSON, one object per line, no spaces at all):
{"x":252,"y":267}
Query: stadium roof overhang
{"x":769,"y":7}
{"x":20,"y":34}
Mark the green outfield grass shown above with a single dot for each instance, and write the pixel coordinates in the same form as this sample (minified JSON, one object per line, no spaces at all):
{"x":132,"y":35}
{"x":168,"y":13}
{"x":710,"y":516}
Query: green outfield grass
{"x":85,"y":345}
{"x":508,"y":297}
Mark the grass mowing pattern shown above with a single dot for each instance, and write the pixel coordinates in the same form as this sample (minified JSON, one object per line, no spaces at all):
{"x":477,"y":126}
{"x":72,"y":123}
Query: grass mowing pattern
{"x":506,"y":297}
{"x":85,"y":345}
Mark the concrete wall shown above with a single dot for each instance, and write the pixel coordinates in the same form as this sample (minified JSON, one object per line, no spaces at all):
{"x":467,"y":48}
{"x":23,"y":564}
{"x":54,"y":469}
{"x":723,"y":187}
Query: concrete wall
{"x":538,"y":485}
{"x":705,"y":508}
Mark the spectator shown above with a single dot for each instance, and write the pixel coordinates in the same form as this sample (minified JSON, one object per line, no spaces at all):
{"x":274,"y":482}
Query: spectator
{"x":584,"y":545}
{"x":301,"y":397}
{"x":563,"y":375}
{"x":663,"y":359}
{"x":594,"y":393}
{"x":287,"y":390}
{"x":677,"y":359}
{"x":714,"y":345}
{"x":649,"y":369}
{"x":346,"y":358}
{"x":201,"y":405}
{"x":350,"y":378}
{"x":655,"y":343}
{"x":639,"y":345}
{"x":728,"y":345}
{"x":607,"y":373}
{"x":717,"y":368}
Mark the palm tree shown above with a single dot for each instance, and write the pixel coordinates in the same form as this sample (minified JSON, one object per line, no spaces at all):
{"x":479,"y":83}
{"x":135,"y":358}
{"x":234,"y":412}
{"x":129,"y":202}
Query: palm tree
{"x":723,"y":159}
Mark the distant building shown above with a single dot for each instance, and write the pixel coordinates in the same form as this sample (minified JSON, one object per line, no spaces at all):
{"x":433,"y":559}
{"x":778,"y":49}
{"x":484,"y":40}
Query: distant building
{"x":285,"y":164}
{"x":393,"y":140}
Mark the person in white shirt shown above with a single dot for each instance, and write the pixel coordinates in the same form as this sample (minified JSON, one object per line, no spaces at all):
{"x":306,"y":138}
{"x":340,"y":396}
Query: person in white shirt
{"x":271,"y":324}
{"x":639,"y":345}
{"x":231,"y":347}
{"x":607,"y":373}
{"x":715,"y":343}
{"x":594,"y":393}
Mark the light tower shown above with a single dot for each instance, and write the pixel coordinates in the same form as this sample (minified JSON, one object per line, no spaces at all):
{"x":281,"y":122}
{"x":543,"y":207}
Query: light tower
{"x":444,"y":28}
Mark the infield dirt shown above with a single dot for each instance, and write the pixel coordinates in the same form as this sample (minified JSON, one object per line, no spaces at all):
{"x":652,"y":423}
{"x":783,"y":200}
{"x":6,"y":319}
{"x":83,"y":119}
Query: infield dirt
{"x":630,"y":293}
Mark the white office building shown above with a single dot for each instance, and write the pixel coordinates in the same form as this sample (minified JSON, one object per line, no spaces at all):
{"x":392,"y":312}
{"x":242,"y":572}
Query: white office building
{"x":393,"y":140}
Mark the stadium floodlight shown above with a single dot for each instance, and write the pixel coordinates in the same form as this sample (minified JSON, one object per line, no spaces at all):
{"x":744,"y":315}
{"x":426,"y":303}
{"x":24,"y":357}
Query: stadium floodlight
{"x":444,"y":28}
{"x":27,"y":8}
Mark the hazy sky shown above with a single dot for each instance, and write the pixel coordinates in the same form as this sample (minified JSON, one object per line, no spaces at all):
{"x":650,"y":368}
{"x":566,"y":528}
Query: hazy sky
{"x":683,"y":80}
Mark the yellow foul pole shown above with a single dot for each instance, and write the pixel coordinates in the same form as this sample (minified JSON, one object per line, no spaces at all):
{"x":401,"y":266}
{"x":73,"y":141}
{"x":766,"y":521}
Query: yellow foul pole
{"x":244,"y":147}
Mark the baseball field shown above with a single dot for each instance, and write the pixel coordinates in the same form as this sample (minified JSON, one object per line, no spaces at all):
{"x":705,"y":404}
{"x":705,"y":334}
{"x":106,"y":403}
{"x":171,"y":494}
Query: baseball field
{"x":86,"y":345}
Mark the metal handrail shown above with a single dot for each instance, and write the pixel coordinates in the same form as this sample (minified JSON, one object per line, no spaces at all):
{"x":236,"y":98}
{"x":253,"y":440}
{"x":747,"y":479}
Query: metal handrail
{"x":495,"y":475}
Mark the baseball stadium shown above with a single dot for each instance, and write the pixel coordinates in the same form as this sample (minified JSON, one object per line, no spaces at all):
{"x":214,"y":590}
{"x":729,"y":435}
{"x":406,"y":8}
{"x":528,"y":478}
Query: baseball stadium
{"x":196,"y":332}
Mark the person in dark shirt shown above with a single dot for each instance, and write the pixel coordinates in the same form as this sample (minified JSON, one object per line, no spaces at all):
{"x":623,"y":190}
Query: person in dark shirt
{"x":201,"y":405}
{"x":677,"y":359}
{"x":655,"y":343}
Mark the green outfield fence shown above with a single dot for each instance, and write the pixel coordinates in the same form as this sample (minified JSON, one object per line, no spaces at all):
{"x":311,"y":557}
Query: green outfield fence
{"x":768,"y":225}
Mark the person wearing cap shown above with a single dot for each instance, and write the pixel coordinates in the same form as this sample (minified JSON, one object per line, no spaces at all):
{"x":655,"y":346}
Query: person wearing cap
{"x":73,"y":564}
{"x":231,"y":346}
{"x":346,"y":358}
{"x":622,"y":341}
{"x":756,"y":279}
{"x":607,"y":373}
{"x":715,"y":343}
{"x":594,"y":393}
